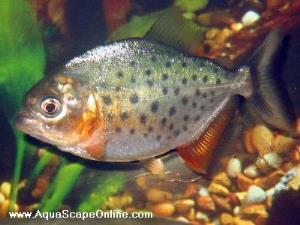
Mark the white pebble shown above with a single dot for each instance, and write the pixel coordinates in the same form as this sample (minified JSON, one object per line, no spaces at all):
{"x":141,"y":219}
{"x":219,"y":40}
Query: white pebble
{"x":280,"y":187}
{"x":234,"y":167}
{"x":237,"y":210}
{"x":270,"y":192}
{"x":251,"y":171}
{"x":203,"y":192}
{"x":273,"y":160}
{"x":250,"y":17}
{"x":255,"y":194}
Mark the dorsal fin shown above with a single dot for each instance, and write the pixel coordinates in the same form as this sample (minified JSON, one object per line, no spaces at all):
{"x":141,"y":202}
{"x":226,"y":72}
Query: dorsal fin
{"x":199,"y":153}
{"x":173,"y":30}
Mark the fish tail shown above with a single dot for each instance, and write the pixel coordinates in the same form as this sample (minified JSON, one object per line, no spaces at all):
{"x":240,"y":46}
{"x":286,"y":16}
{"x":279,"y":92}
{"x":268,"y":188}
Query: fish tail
{"x":269,"y":99}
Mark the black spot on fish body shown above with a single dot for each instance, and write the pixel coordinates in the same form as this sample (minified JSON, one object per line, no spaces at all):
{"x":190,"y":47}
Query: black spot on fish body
{"x":205,"y":79}
{"x":168,"y":64}
{"x":198,"y":93}
{"x":150,"y":129}
{"x":132,"y":131}
{"x":150,"y":83}
{"x":153,"y":58}
{"x":194,"y":104}
{"x":164,"y":121}
{"x":145,"y":135}
{"x":132,"y":63}
{"x":120,"y":74}
{"x":134,"y":98}
{"x":211,"y":100}
{"x":132,"y":80}
{"x":184,"y":81}
{"x":185,"y":128}
{"x":172,"y":111}
{"x":148,"y":72}
{"x":202,"y":107}
{"x":204,"y":95}
{"x":171,"y":126}
{"x":165,"y":77}
{"x":176,"y":133}
{"x":186,"y":117}
{"x":158,"y":137}
{"x":196,"y":118}
{"x":183,"y":64}
{"x":184,"y":100}
{"x":176,"y":91}
{"x":124,"y":116}
{"x":164,"y":90}
{"x":218,"y":81}
{"x":194,"y":77}
{"x":143,"y":119}
{"x":107,"y":100}
{"x":212,"y":93}
{"x":118,"y":129}
{"x":118,"y":88}
{"x":154,"y":106}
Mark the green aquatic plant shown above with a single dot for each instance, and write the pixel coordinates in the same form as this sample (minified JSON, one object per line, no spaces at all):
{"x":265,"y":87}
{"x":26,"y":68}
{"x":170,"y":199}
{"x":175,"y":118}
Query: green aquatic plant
{"x":22,"y":63}
{"x":108,"y":185}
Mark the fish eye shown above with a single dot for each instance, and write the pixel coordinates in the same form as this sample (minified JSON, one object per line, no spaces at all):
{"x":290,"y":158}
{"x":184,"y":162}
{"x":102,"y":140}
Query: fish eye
{"x":51,"y":106}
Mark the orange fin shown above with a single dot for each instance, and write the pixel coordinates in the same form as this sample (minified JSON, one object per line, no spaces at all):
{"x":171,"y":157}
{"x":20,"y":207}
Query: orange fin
{"x":198,"y":154}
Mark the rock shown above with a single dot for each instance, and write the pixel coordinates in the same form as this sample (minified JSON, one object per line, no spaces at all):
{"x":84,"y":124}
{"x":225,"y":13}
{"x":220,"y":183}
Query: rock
{"x":203,"y":191}
{"x":251,"y":171}
{"x":275,"y":4}
{"x":244,"y":182}
{"x":2,"y":198}
{"x":212,"y":33}
{"x":223,"y":179}
{"x":155,"y":195}
{"x":255,"y":210}
{"x":295,"y":154}
{"x":191,"y":190}
{"x":269,"y":161}
{"x":165,"y":209}
{"x":226,"y":219}
{"x":255,"y":195}
{"x":219,"y":189}
{"x":238,"y":221}
{"x":184,"y":205}
{"x":262,"y":139}
{"x":237,"y":210}
{"x":191,"y":214}
{"x":5,"y":189}
{"x":270,"y":180}
{"x":250,"y":18}
{"x":206,"y":203}
{"x":202,"y":216}
{"x":223,"y":203}
{"x":234,"y":167}
{"x":182,"y":219}
{"x":4,"y":207}
{"x":141,"y":181}
{"x":250,"y":148}
{"x":242,"y":197}
{"x":283,"y":144}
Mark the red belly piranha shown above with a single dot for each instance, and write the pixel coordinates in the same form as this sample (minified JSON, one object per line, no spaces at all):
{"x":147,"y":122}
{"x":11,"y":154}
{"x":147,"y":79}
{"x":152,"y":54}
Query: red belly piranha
{"x":137,"y":99}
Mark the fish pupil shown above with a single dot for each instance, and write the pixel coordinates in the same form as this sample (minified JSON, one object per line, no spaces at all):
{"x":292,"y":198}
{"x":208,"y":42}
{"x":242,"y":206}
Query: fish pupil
{"x":50,"y":107}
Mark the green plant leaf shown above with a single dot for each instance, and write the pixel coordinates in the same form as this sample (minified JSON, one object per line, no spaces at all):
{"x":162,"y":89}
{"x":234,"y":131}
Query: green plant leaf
{"x":62,"y":185}
{"x":191,"y":5}
{"x":22,"y":58}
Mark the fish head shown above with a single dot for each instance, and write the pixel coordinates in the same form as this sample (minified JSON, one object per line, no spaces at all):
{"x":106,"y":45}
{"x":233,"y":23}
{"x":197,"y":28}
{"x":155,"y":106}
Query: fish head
{"x":60,"y":110}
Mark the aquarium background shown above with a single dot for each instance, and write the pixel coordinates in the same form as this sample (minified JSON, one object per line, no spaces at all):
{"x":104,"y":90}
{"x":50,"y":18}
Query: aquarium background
{"x":37,"y":37}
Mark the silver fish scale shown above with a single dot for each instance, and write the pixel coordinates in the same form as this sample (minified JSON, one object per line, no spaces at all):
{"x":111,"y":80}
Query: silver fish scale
{"x":164,"y":97}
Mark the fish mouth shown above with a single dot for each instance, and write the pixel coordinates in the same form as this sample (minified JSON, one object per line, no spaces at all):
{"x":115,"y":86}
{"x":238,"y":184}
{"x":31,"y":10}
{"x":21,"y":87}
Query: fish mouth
{"x":24,"y":122}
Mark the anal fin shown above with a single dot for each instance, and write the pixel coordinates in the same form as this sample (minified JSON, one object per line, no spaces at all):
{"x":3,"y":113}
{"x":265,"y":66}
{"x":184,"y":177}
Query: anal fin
{"x":198,"y":154}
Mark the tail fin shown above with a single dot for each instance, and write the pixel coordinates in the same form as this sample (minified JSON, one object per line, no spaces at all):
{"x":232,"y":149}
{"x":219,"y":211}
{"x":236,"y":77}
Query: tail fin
{"x":269,"y":100}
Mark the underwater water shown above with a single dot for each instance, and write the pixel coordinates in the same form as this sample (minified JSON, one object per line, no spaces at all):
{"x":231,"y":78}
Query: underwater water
{"x":253,"y":173}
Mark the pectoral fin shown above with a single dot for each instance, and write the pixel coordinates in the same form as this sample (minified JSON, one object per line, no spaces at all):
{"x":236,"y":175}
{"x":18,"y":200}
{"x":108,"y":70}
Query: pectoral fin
{"x":198,"y":154}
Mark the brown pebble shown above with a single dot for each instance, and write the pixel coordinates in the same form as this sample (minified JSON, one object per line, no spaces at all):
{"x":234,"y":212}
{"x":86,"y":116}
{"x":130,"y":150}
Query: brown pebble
{"x":191,"y":190}
{"x":141,"y":181}
{"x":219,"y":189}
{"x":283,"y":144}
{"x":295,"y":154}
{"x":238,"y":221}
{"x":4,"y":207}
{"x":248,"y":142}
{"x":275,"y":4}
{"x":165,"y":209}
{"x":192,"y":214}
{"x":260,"y":220}
{"x":206,"y":203}
{"x":226,"y":219}
{"x":184,"y":205}
{"x":155,"y":195}
{"x":244,"y":182}
{"x":223,"y":203}
{"x":255,"y":210}
{"x":262,"y":139}
{"x":269,"y":180}
{"x":5,"y":189}
{"x":287,"y":166}
{"x":223,"y":179}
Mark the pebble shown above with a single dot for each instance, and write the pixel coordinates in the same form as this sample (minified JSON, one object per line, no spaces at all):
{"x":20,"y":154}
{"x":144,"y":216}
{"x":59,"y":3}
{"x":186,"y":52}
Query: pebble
{"x":283,"y":144}
{"x":155,"y":195}
{"x":226,"y":219}
{"x":250,"y":148}
{"x":165,"y":209}
{"x":203,"y":192}
{"x":255,"y":195}
{"x":262,"y":139}
{"x":234,"y":167}
{"x":223,"y":179}
{"x":250,"y":18}
{"x":222,"y":203}
{"x":184,"y":205}
{"x":237,"y":210}
{"x":269,"y":180}
{"x":206,"y":203}
{"x":215,"y":188}
{"x":5,"y":189}
{"x":258,"y":210}
{"x":238,"y":221}
{"x":202,"y":216}
{"x":251,"y":171}
{"x":244,"y":182}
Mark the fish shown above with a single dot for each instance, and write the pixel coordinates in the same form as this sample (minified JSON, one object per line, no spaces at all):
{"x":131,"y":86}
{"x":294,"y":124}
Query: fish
{"x":137,"y":99}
